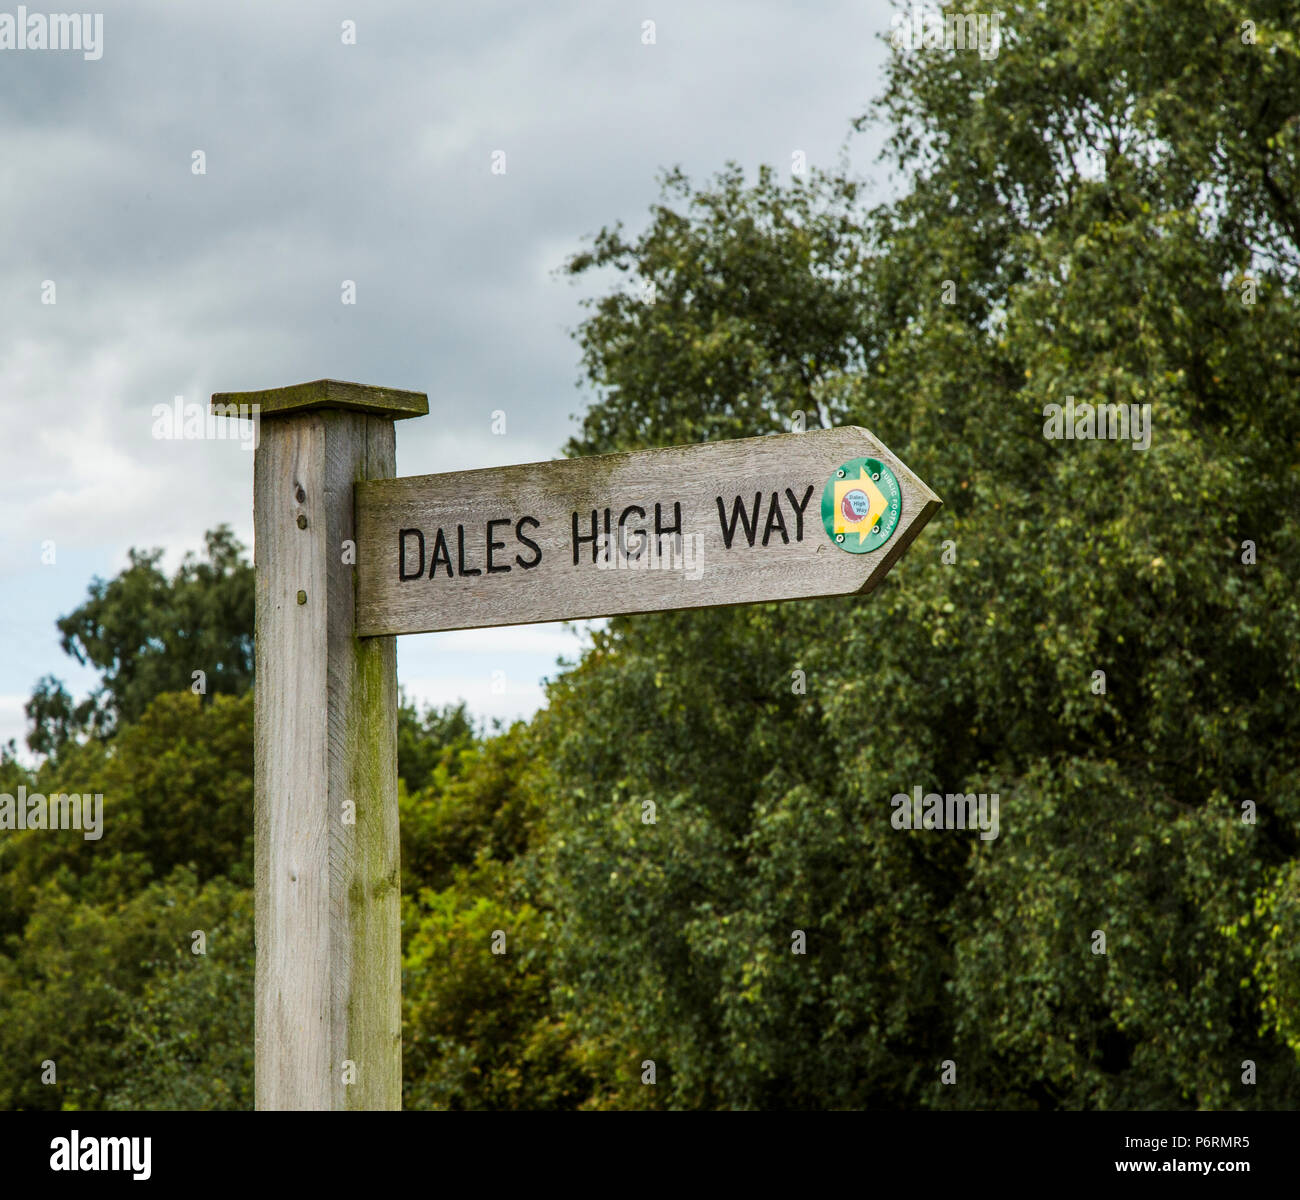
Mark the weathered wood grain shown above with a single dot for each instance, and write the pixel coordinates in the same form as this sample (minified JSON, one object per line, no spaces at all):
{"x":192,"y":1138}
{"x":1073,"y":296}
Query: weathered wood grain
{"x":327,"y":891}
{"x":532,"y":510}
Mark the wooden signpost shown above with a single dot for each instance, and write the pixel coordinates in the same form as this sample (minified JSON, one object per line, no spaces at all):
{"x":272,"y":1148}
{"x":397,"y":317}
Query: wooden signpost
{"x":347,"y":556}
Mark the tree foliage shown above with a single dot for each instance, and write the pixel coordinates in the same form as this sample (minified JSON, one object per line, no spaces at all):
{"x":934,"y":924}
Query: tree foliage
{"x":1099,"y":197}
{"x":146,"y":633}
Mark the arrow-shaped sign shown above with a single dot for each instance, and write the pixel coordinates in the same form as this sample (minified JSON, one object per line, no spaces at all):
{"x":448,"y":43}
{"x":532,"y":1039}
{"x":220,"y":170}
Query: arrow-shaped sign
{"x":796,"y":515}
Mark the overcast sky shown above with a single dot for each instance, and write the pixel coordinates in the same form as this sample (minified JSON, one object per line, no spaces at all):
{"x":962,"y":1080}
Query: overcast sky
{"x":328,"y":162}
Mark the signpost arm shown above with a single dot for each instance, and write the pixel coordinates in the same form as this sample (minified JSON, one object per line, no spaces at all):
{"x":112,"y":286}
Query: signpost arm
{"x":327,"y":872}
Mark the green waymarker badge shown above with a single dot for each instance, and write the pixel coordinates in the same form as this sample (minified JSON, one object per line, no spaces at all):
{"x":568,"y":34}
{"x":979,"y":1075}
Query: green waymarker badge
{"x":861,"y":505}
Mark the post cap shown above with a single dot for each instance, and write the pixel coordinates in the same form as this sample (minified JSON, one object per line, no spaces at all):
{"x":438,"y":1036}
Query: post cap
{"x":327,"y":393}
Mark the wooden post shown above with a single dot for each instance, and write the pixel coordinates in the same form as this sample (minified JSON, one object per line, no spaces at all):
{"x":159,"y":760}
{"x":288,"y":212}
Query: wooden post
{"x":327,"y":872}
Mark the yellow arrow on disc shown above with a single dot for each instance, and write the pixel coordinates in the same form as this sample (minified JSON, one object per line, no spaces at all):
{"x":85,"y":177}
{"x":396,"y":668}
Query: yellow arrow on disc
{"x":876,"y":504}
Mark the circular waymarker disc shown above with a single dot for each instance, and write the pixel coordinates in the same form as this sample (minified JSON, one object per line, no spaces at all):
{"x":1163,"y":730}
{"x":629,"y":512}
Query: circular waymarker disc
{"x":861,"y":505}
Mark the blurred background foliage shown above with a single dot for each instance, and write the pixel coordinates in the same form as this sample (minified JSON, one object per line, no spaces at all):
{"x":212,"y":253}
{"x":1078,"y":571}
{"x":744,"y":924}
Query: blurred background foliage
{"x":1104,"y":196}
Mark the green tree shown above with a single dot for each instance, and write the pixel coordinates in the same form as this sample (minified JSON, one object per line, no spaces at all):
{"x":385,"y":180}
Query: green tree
{"x":73,"y":991}
{"x":484,"y":1026}
{"x":177,"y":790}
{"x":477,"y":801}
{"x":481,"y":1028}
{"x":149,"y":634}
{"x":96,"y":969}
{"x":755,"y":308}
{"x":55,"y":719}
{"x":430,"y":739}
{"x":1083,"y":217}
{"x":188,"y":1034}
